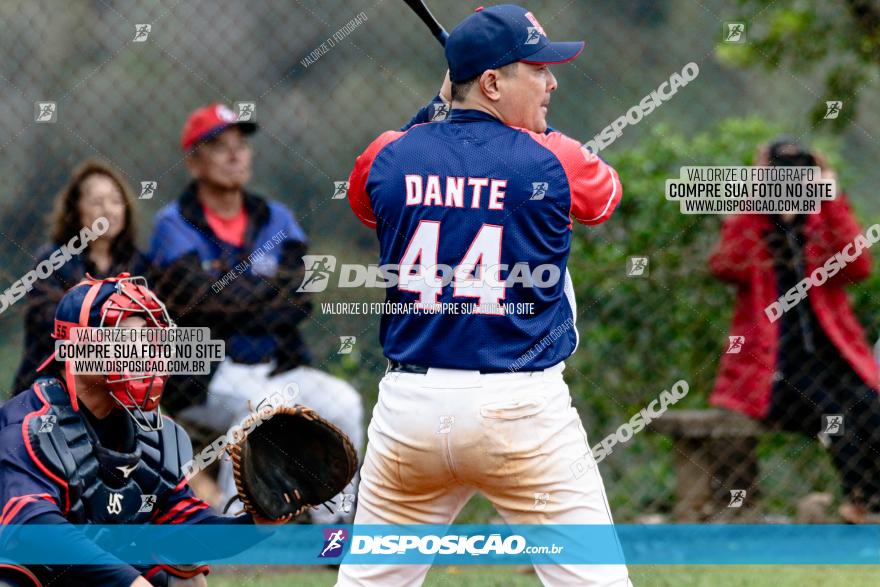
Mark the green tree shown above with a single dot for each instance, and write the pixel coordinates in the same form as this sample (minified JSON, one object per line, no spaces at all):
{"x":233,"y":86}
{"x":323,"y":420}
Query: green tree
{"x":839,"y":39}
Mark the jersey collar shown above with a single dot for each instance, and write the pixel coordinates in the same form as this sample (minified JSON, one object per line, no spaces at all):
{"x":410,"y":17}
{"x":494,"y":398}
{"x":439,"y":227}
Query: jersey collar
{"x":470,"y":115}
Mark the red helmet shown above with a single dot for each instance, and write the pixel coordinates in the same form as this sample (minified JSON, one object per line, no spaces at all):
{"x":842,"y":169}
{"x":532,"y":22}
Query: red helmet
{"x":105,"y":303}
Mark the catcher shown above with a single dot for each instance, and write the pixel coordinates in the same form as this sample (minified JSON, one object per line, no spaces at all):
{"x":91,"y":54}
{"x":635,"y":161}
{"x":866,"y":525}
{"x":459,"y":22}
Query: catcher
{"x":95,"y":449}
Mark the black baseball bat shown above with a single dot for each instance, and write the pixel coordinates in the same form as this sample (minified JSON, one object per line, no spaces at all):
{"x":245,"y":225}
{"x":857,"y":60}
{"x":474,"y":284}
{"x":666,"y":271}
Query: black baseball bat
{"x":421,"y":9}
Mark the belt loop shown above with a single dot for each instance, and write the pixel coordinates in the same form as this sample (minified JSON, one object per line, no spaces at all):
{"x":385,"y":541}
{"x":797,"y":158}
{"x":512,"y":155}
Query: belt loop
{"x":551,"y":372}
{"x":388,"y":367}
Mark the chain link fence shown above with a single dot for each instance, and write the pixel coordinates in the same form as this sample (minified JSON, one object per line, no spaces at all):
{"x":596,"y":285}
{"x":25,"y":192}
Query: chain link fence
{"x":115,"y":81}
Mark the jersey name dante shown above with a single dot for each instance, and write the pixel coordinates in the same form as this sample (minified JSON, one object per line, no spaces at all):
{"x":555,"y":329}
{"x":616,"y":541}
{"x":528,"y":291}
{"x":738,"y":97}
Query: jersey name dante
{"x":428,"y":191}
{"x":476,"y":217}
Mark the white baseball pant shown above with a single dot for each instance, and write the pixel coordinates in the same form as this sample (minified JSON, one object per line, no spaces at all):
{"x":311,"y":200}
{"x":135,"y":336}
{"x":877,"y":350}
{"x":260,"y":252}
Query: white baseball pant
{"x":436,"y":439}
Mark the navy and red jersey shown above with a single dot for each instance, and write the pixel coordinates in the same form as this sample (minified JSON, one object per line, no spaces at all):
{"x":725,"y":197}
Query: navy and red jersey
{"x":31,"y":494}
{"x":26,"y":490}
{"x":494,"y":203}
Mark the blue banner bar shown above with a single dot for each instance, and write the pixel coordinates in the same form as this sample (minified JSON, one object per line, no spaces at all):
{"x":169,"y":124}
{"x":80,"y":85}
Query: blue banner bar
{"x":454,"y":545}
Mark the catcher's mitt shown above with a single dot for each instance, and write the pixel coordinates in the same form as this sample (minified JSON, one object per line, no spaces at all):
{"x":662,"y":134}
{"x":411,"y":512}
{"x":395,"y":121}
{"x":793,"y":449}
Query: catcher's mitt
{"x":293,"y":460}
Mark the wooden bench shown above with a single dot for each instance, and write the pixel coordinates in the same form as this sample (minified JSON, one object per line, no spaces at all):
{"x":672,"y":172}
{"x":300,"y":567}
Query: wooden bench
{"x":715,"y":453}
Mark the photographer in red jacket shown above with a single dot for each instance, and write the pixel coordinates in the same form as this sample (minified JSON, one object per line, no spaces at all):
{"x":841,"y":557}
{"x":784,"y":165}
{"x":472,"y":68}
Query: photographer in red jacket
{"x":812,"y":362}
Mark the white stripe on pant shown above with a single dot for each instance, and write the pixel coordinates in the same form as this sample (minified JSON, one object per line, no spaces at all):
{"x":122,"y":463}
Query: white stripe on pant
{"x":438,"y":438}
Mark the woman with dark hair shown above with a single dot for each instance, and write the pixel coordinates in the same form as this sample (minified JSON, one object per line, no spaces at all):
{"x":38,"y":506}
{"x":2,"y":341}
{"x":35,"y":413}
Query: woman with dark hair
{"x":95,"y":190}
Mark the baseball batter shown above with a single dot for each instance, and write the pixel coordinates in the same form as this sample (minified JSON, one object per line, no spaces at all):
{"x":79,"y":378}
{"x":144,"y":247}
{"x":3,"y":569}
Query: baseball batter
{"x":474,"y":398}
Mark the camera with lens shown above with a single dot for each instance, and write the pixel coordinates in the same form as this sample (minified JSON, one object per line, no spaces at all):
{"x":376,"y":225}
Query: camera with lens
{"x":786,"y":152}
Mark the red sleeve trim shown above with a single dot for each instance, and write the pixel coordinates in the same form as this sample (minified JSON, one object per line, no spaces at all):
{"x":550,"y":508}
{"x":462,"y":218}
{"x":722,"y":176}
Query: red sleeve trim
{"x":24,"y":571}
{"x":17,"y":508}
{"x":10,"y":510}
{"x":187,"y":513}
{"x":179,"y":508}
{"x":595,"y":186}
{"x":358,"y":198}
{"x":183,"y":573}
{"x":30,"y":449}
{"x":6,"y":508}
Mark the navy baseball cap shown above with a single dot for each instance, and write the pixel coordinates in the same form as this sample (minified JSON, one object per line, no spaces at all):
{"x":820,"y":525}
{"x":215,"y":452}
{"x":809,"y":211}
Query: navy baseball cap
{"x":496,"y":36}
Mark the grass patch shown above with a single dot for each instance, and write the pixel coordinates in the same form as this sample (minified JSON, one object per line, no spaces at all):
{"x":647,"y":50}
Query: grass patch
{"x":642,"y":576}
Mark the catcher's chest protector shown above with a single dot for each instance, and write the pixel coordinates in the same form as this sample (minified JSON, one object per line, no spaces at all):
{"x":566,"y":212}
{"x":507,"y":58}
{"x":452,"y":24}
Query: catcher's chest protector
{"x":103,"y":486}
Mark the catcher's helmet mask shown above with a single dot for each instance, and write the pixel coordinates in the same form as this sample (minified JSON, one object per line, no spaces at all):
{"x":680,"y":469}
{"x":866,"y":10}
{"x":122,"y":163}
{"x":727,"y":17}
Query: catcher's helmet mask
{"x":105,"y":303}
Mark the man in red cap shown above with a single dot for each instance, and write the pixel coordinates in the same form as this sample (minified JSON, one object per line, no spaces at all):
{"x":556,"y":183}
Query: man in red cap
{"x":232,"y":260}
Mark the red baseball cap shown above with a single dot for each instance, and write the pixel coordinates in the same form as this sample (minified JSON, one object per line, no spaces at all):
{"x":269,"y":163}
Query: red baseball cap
{"x":209,"y":121}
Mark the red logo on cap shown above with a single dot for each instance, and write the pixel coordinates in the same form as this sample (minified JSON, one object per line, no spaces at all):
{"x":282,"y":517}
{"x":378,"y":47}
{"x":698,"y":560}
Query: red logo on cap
{"x":535,"y":23}
{"x":204,"y":121}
